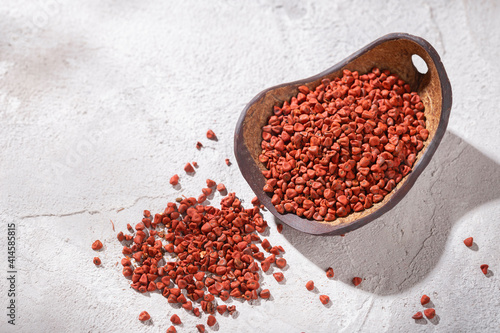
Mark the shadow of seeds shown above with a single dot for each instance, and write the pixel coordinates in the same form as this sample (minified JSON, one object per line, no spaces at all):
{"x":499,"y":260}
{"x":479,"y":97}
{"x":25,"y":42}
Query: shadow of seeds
{"x":399,"y":249}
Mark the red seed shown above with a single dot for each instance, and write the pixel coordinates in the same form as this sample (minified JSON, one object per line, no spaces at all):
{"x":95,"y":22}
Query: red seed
{"x":329,"y":272}
{"x":201,"y":328}
{"x":278,"y":276}
{"x":211,"y":135}
{"x":175,"y":319}
{"x":97,"y":245}
{"x":281,"y":262}
{"x":255,"y":201}
{"x":221,"y":309}
{"x":171,"y":329}
{"x":430,"y":313}
{"x":221,"y":187}
{"x":188,"y":168}
{"x":324,"y":299}
{"x":174,"y":180}
{"x":425,"y":299}
{"x":198,"y":145}
{"x":211,"y":183}
{"x":468,"y":241}
{"x":211,"y":321}
{"x":227,"y":162}
{"x":195,"y":164}
{"x":265,"y":293}
{"x":97,"y":261}
{"x":280,"y":227}
{"x":484,"y":268}
{"x":143,"y":316}
{"x":356,"y":281}
{"x":310,"y":285}
{"x":418,"y":315}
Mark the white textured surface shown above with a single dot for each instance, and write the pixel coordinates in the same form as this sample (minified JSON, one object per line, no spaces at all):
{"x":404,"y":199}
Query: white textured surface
{"x":102,"y":101}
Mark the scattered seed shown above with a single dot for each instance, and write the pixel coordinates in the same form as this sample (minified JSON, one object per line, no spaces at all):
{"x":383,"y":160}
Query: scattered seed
{"x":310,"y":285}
{"x":221,"y":187}
{"x":211,"y":321}
{"x":227,"y":161}
{"x":430,"y":313}
{"x":211,"y":135}
{"x":195,"y":164}
{"x":278,"y":276}
{"x":171,"y":329}
{"x":265,"y":293}
{"x":188,"y":168}
{"x":329,"y":272}
{"x":484,"y":268}
{"x":97,"y":261}
{"x":198,"y":145}
{"x":175,"y":320}
{"x":279,"y":227}
{"x":143,"y":316}
{"x":175,"y":179}
{"x":468,"y":241}
{"x":201,"y":328}
{"x":97,"y":245}
{"x":425,"y":299}
{"x":356,"y":281}
{"x":418,"y":315}
{"x":281,"y":262}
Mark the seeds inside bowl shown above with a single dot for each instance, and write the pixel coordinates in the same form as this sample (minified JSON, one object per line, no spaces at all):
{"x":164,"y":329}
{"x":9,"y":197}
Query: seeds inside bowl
{"x":343,"y":146}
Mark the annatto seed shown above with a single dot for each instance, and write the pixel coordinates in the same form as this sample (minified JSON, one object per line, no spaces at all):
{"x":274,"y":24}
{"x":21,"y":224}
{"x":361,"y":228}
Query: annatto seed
{"x":418,"y":315}
{"x":430,"y":313}
{"x":280,"y":262}
{"x":97,"y":261}
{"x":188,"y":168}
{"x":175,"y":319}
{"x":97,"y":245}
{"x":279,"y":227}
{"x":221,"y":308}
{"x":143,"y":316}
{"x":278,"y":276}
{"x":219,"y":241}
{"x":211,"y":321}
{"x":265,"y":293}
{"x":211,"y":135}
{"x":171,"y":329}
{"x":174,"y":180}
{"x":221,"y":187}
{"x":324,"y":299}
{"x":201,"y":328}
{"x":310,"y":285}
{"x":329,"y":272}
{"x":356,"y":281}
{"x":468,"y":241}
{"x":425,"y":299}
{"x":198,"y":145}
{"x":484,"y":269}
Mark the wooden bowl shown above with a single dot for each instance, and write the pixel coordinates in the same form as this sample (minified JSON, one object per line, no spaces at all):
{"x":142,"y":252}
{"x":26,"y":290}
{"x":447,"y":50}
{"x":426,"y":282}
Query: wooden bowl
{"x":393,"y":52}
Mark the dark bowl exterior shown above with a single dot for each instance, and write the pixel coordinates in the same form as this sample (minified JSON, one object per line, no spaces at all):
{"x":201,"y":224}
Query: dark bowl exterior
{"x":252,"y":174}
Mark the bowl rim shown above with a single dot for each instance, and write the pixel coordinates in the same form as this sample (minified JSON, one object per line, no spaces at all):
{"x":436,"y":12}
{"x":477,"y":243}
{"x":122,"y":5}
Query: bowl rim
{"x":243,"y":156}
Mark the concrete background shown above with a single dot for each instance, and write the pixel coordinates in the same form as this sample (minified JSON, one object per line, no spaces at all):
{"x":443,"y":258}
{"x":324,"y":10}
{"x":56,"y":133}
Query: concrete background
{"x":102,"y":101}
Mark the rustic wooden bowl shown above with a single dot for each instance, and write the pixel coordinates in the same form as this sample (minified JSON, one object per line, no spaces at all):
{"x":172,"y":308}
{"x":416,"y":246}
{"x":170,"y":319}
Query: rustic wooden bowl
{"x":394,"y":52}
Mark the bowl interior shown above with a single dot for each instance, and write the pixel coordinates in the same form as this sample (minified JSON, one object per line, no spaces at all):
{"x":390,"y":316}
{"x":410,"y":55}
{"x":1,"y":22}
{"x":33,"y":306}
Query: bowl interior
{"x":394,"y":54}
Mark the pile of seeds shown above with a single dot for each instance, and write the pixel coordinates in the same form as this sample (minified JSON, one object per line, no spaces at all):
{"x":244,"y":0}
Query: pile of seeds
{"x":213,"y":253}
{"x":343,"y":146}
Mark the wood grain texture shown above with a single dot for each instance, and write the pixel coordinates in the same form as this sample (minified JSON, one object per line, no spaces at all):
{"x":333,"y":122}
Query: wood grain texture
{"x":393,"y":52}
